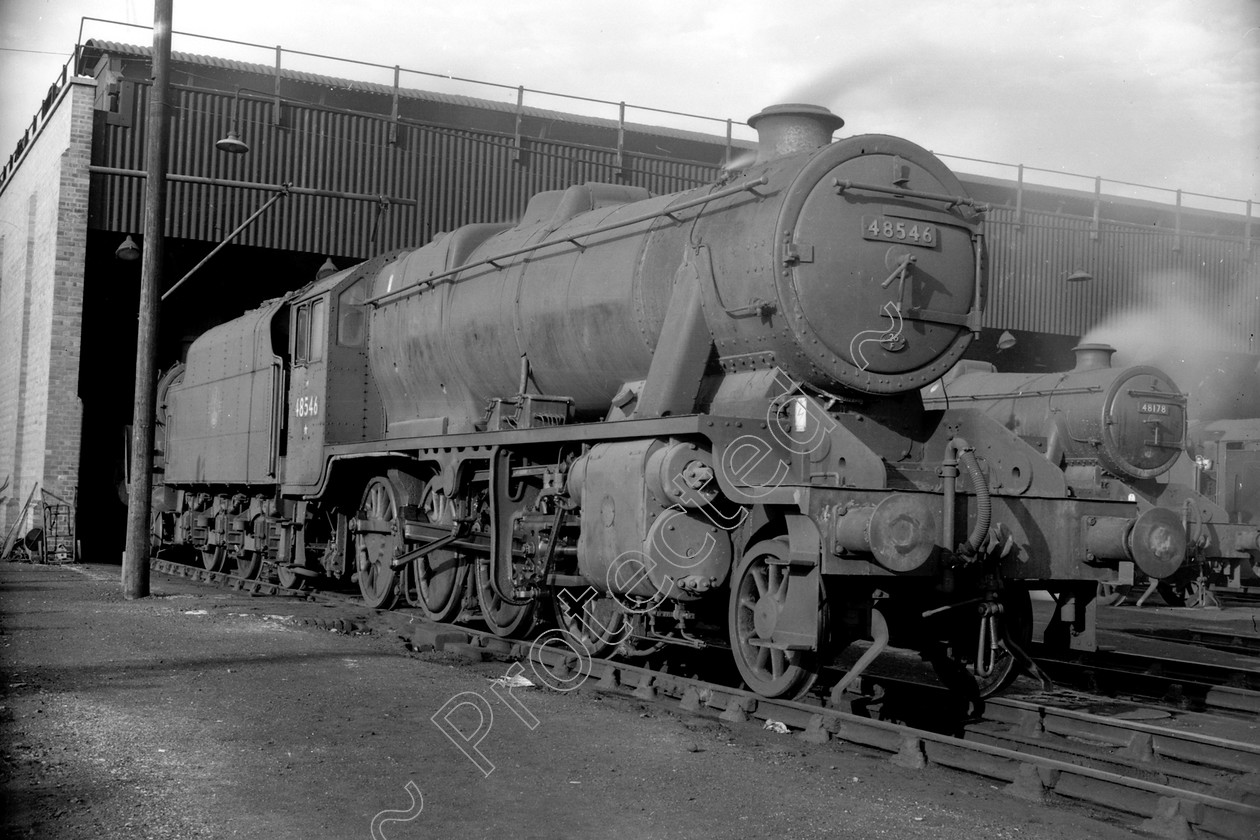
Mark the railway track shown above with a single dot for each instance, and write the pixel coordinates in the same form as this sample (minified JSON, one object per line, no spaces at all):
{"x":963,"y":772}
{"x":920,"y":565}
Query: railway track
{"x":1182,"y":683}
{"x":1236,"y":596}
{"x":1245,"y":644}
{"x":1170,"y":782}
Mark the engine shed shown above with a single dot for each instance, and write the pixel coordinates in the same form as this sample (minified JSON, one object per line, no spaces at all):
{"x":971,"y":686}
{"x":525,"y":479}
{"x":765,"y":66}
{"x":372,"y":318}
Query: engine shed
{"x":358,"y":169}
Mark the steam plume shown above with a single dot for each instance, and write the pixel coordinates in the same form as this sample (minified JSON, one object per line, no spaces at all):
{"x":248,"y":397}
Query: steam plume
{"x":1207,"y":349}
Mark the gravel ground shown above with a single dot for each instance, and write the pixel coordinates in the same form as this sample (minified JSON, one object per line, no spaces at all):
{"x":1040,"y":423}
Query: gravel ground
{"x":203,"y":713}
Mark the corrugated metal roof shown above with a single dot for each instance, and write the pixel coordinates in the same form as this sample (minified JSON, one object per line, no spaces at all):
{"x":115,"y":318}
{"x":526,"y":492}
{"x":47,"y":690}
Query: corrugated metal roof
{"x":119,"y":48}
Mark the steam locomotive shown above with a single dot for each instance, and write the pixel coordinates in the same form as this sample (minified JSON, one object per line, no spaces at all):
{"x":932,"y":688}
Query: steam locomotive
{"x":1109,"y":427}
{"x":684,"y":420}
{"x":1224,"y":469}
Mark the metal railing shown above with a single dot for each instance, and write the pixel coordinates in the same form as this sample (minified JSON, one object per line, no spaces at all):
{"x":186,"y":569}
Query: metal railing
{"x":1016,"y":173}
{"x":1110,"y":188}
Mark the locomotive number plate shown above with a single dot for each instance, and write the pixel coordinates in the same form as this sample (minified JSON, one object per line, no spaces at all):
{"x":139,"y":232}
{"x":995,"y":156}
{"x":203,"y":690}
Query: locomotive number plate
{"x":905,"y":231}
{"x":1153,"y":408}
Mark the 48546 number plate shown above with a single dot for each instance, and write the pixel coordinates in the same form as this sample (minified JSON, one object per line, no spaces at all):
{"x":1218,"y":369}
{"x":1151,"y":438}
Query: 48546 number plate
{"x":905,"y":231}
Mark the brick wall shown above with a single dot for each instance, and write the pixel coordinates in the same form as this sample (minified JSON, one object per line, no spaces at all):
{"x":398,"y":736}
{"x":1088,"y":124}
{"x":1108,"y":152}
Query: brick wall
{"x":43,"y":225}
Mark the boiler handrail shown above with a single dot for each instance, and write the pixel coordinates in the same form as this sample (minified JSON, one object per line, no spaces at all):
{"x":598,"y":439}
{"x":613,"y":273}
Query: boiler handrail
{"x":399,"y":294}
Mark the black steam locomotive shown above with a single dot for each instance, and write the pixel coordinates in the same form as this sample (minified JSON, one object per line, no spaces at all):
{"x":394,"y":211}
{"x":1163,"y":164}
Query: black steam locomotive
{"x":1226,"y":469}
{"x":1107,"y":426}
{"x":691,"y":419}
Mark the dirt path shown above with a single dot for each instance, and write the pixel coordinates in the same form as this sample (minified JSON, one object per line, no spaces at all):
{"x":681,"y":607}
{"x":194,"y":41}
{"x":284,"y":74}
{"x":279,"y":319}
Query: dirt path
{"x":206,"y":714}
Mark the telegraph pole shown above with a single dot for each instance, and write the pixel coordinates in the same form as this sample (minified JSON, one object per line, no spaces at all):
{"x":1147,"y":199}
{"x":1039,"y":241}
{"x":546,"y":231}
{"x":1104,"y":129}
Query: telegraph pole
{"x":135,"y":568}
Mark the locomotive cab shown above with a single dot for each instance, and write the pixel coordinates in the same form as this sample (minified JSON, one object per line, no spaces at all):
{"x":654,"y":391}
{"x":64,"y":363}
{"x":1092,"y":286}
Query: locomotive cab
{"x":332,"y":399}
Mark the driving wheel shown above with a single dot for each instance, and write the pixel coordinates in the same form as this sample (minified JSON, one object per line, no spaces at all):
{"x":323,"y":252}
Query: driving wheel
{"x":440,"y":575}
{"x":377,"y":541}
{"x":502,"y":618}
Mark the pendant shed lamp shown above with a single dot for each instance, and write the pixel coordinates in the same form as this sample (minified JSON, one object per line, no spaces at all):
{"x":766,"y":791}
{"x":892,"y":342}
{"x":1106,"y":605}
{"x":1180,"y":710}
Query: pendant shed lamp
{"x":233,"y":144}
{"x":128,"y":250}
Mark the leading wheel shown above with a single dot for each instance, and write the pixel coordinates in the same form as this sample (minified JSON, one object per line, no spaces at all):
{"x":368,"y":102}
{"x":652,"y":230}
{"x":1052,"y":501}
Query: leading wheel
{"x":377,"y":542}
{"x":1015,"y":624}
{"x":1173,"y":592}
{"x":759,"y":593}
{"x":1183,"y":592}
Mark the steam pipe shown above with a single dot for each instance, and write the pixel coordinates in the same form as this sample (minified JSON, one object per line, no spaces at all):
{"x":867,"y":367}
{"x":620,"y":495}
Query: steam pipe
{"x":984,"y":505}
{"x":956,"y":450}
{"x":949,"y":472}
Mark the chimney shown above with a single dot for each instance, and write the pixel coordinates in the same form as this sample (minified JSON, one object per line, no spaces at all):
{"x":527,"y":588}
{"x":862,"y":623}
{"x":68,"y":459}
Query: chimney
{"x":784,"y":130}
{"x":1092,"y":357}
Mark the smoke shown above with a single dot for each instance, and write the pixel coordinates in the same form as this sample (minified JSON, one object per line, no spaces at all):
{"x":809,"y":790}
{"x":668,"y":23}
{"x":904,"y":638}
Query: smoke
{"x":1206,"y":348}
{"x":743,"y":160}
{"x":828,"y":87}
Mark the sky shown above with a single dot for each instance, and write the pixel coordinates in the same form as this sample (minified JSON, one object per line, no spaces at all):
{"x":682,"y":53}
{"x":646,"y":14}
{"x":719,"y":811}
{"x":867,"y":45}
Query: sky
{"x":1164,"y":93}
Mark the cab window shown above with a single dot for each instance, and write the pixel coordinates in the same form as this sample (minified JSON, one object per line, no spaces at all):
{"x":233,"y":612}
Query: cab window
{"x":302,"y":334}
{"x":310,"y":327}
{"x":352,"y":317}
{"x":319,"y":328}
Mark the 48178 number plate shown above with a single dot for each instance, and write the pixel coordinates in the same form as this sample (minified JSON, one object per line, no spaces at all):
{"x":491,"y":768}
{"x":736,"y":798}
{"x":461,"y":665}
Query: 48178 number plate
{"x":905,"y":231}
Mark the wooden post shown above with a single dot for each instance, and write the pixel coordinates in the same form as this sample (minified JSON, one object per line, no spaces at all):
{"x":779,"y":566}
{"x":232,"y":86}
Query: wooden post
{"x":135,"y":568}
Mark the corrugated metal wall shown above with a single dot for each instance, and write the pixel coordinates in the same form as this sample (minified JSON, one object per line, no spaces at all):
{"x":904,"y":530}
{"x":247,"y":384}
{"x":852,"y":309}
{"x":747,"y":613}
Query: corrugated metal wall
{"x":452,"y":177}
{"x":1199,"y":275}
{"x":448,"y":177}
